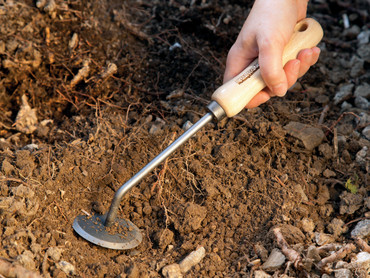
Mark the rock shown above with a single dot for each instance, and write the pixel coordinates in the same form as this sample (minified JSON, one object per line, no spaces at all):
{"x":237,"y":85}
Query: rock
{"x":274,"y":261}
{"x":313,"y":254}
{"x":362,"y":90}
{"x":178,"y":93}
{"x":7,"y":168}
{"x":307,"y":225}
{"x":187,"y":125}
{"x":366,"y":132}
{"x":362,"y":103}
{"x":361,"y":156}
{"x":350,"y":202}
{"x":337,"y":227}
{"x":261,"y":274}
{"x":363,"y":119}
{"x":362,"y":229}
{"x":346,"y":106}
{"x":157,"y":126}
{"x":310,"y":136}
{"x":362,"y":262}
{"x":344,"y":93}
{"x":26,"y":120}
{"x":322,"y":238}
{"x":357,"y":66}
{"x":342,"y":273}
{"x":363,"y":37}
{"x":27,"y":260}
{"x":364,"y":52}
{"x":66,"y":267}
{"x":298,"y":189}
{"x":172,"y":271}
{"x":192,"y":259}
{"x":329,"y":173}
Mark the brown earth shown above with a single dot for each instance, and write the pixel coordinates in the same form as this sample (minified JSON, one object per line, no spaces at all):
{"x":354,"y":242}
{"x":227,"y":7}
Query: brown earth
{"x":224,"y":190}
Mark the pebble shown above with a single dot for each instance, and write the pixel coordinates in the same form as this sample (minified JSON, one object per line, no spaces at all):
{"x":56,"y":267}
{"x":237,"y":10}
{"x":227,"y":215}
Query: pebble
{"x":361,"y":156}
{"x":310,"y":136}
{"x":261,"y":274}
{"x":26,"y":120}
{"x":362,"y":261}
{"x":344,"y":93}
{"x":362,"y":103}
{"x":342,"y":273}
{"x":66,"y":267}
{"x":362,"y":229}
{"x":187,"y":125}
{"x":350,"y":202}
{"x":366,"y":132}
{"x":364,"y":52}
{"x":363,"y":37}
{"x":362,"y":90}
{"x":346,"y":105}
{"x":337,"y":227}
{"x":322,"y":239}
{"x":308,"y":225}
{"x":329,"y":173}
{"x":274,"y":261}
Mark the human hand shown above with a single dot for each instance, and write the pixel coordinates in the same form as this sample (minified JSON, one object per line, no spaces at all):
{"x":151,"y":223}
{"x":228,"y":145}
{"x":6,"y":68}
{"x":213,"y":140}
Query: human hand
{"x":265,"y":33}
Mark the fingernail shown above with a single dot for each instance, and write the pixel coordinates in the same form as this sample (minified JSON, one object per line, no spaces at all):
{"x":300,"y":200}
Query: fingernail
{"x":279,"y":90}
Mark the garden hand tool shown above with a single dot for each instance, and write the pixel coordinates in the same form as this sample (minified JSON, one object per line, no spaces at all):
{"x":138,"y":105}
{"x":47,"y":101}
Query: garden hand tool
{"x":228,"y":100}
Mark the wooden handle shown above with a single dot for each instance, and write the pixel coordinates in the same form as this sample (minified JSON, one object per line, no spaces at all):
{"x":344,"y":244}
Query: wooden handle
{"x":235,"y":94}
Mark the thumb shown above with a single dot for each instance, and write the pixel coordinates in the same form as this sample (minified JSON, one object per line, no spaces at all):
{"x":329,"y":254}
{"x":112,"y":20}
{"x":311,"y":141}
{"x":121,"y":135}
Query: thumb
{"x":271,"y":65}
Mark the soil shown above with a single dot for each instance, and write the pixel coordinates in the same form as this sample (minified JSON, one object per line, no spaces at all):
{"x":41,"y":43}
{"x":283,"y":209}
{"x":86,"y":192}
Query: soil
{"x":113,"y":82}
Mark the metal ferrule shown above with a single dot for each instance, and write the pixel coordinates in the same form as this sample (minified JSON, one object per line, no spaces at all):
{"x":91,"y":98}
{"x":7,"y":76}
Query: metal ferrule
{"x":217,"y":111}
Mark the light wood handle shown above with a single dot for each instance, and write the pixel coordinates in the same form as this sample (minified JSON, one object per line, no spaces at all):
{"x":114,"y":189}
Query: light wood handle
{"x":235,"y":94}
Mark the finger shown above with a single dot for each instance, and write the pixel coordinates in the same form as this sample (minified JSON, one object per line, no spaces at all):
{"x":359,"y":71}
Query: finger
{"x":258,"y":99}
{"x":305,"y":56}
{"x":235,"y":62}
{"x":292,"y":69}
{"x":270,"y":60}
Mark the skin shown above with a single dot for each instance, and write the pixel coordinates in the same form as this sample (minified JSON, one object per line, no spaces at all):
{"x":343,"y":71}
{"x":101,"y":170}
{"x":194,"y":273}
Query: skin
{"x":264,"y":34}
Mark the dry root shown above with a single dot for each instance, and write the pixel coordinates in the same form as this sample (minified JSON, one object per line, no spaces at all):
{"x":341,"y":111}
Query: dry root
{"x":292,"y":255}
{"x":336,"y":256}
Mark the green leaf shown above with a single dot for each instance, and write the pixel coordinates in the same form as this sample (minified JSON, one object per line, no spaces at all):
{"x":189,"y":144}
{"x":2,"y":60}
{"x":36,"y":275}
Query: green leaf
{"x":351,"y":187}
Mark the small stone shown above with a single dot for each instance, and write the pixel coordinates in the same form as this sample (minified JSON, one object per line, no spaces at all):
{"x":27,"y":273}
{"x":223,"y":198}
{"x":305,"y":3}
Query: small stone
{"x":364,"y":52}
{"x":313,"y":254}
{"x":362,"y":262}
{"x":344,"y":93}
{"x":298,"y":189}
{"x":261,"y":274}
{"x":310,"y":136}
{"x":350,"y":202}
{"x":366,"y":132}
{"x":337,"y":227}
{"x":362,"y":90}
{"x":178,"y":93}
{"x":274,"y":261}
{"x":362,"y":229}
{"x":342,"y":273}
{"x":187,"y":125}
{"x":308,"y":225}
{"x":322,"y":238}
{"x":157,"y":126}
{"x":361,"y":156}
{"x":192,"y":259}
{"x":172,"y":271}
{"x":362,"y":103}
{"x":329,"y":173}
{"x":66,"y":267}
{"x":346,"y":106}
{"x":363,"y":37}
{"x":26,"y":120}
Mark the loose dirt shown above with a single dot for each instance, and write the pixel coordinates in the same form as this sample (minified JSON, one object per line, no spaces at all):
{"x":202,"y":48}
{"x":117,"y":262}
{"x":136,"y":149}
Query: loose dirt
{"x":108,"y":84}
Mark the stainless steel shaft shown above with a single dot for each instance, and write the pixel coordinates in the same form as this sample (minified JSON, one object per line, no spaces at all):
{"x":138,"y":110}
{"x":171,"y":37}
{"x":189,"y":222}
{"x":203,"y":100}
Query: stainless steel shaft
{"x":112,"y":214}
